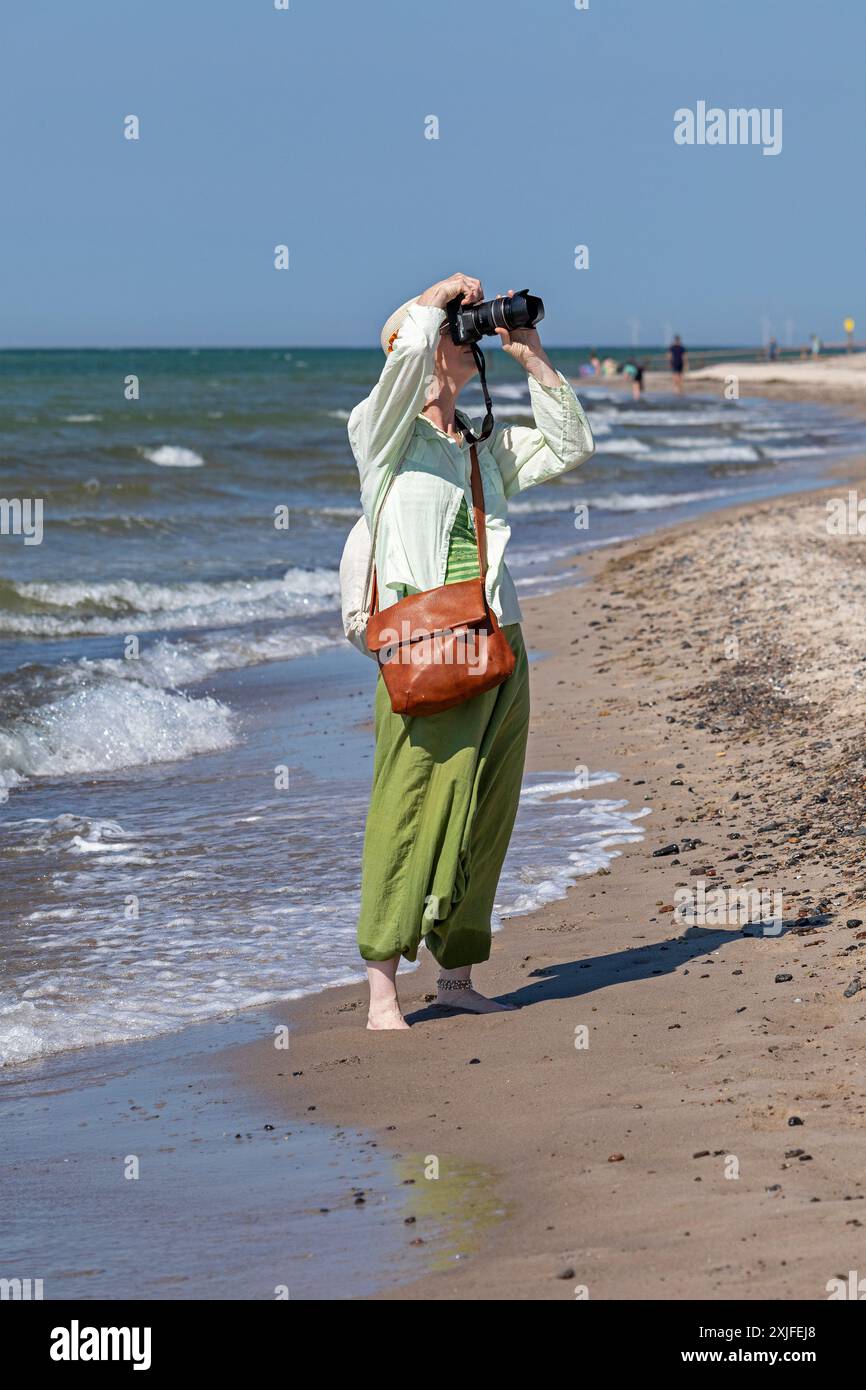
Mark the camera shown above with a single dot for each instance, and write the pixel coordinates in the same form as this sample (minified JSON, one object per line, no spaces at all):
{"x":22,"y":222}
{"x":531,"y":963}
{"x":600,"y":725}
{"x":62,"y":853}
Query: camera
{"x":469,"y":322}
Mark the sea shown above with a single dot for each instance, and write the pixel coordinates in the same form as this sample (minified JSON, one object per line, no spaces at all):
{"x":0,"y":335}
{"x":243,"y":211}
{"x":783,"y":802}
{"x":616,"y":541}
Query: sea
{"x":185,"y":735}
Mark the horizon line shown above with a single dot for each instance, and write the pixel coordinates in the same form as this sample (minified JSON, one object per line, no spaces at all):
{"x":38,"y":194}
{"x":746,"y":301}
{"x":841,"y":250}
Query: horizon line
{"x":343,"y":347}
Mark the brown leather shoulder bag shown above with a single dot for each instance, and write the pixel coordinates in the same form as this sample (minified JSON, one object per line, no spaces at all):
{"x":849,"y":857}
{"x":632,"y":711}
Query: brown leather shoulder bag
{"x":441,"y":647}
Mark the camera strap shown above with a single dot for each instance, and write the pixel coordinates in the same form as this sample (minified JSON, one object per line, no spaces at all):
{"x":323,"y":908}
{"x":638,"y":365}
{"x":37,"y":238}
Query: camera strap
{"x":487,"y":422}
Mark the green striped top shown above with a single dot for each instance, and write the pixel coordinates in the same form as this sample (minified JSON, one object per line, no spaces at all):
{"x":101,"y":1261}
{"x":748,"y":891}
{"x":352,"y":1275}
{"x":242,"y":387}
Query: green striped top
{"x":462,"y":560}
{"x":462,"y":549}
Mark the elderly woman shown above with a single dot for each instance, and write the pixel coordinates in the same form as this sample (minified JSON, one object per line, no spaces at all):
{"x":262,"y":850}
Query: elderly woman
{"x":446,"y":786}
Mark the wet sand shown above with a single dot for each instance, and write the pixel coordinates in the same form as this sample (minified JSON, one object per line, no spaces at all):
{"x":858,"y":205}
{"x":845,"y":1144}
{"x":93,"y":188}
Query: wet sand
{"x":705,"y":1142}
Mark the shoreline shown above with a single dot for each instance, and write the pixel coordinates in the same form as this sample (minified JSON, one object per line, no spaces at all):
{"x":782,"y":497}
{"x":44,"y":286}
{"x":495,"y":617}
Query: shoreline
{"x":838,"y":387}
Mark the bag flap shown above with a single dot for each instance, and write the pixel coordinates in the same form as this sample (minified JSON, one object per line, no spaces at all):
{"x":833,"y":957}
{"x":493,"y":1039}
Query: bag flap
{"x":421,"y":615}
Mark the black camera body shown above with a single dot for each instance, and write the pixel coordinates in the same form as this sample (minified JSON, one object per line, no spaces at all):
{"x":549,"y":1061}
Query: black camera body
{"x":469,"y":322}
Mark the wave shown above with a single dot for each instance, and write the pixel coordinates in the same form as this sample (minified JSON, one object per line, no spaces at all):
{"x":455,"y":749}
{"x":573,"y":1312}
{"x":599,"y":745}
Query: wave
{"x":173,"y":456}
{"x":794,"y":451}
{"x":172,"y":664}
{"x":722,"y":453}
{"x":81,"y":419}
{"x":685,"y":418}
{"x":112,"y":725}
{"x":649,"y":502}
{"x":350,"y":513}
{"x":89,"y":715}
{"x":593,"y":828}
{"x":623,"y":446}
{"x":622,"y":501}
{"x":690,"y":441}
{"x":71,"y":608}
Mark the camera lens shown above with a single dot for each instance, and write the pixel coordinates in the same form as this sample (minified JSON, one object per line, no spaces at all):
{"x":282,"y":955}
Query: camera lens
{"x":470,"y":322}
{"x":522,"y":310}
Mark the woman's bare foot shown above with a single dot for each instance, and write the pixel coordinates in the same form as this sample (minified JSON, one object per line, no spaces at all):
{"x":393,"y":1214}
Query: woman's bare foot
{"x":385,"y":1013}
{"x":454,"y":991}
{"x":385,"y":1016}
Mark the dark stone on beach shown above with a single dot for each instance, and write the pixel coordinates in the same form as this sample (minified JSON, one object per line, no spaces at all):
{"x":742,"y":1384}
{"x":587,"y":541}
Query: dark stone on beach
{"x":854,"y":988}
{"x":766,"y":829}
{"x":794,"y":1120}
{"x":474,"y":1061}
{"x":783,"y":979}
{"x":666,"y":849}
{"x":268,"y":1126}
{"x":417,"y":1241}
{"x":409,"y":1220}
{"x":701,"y":1153}
{"x":854,"y":922}
{"x":615,"y":1158}
{"x":359,"y":1200}
{"x":566,"y":1273}
{"x":794,"y":1153}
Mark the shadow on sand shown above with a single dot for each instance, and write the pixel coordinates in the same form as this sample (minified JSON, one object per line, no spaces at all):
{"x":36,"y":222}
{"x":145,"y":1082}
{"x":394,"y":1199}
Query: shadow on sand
{"x":574,"y":978}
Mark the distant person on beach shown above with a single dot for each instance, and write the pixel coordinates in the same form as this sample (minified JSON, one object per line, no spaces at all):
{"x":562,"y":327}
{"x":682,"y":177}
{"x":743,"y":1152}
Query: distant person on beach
{"x":635,"y":371}
{"x":772,"y":350}
{"x":446,"y":786}
{"x":816,"y":345}
{"x":679,"y":360}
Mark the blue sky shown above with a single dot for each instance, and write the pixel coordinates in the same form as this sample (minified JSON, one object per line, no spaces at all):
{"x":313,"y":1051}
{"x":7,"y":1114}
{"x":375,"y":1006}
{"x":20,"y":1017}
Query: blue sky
{"x":306,"y":127}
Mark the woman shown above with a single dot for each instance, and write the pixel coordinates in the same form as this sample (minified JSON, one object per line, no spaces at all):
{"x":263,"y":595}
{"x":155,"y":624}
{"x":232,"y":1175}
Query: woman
{"x":446,"y":786}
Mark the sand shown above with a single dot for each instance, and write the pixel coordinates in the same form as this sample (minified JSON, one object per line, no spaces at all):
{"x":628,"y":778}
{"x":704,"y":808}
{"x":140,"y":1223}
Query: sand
{"x":706,"y":1142}
{"x":831,"y":381}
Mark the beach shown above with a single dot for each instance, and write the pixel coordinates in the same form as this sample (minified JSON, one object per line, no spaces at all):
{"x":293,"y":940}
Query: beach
{"x":674,"y":1111}
{"x":705,"y":1142}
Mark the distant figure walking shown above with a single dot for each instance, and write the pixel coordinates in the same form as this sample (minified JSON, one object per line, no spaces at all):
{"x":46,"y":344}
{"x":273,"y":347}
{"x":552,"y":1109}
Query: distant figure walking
{"x":679,"y":359}
{"x":816,"y":345}
{"x":772,"y":350}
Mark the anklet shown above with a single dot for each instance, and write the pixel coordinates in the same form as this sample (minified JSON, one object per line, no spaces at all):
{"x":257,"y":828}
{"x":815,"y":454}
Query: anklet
{"x":454,"y":984}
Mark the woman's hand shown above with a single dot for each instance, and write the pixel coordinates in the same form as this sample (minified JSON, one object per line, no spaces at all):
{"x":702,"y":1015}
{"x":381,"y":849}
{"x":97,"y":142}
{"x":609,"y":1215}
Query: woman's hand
{"x":524,"y":345}
{"x":444,"y":290}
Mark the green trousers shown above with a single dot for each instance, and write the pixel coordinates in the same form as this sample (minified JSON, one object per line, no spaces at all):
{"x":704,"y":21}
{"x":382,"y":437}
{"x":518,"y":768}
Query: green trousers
{"x":445,"y":794}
